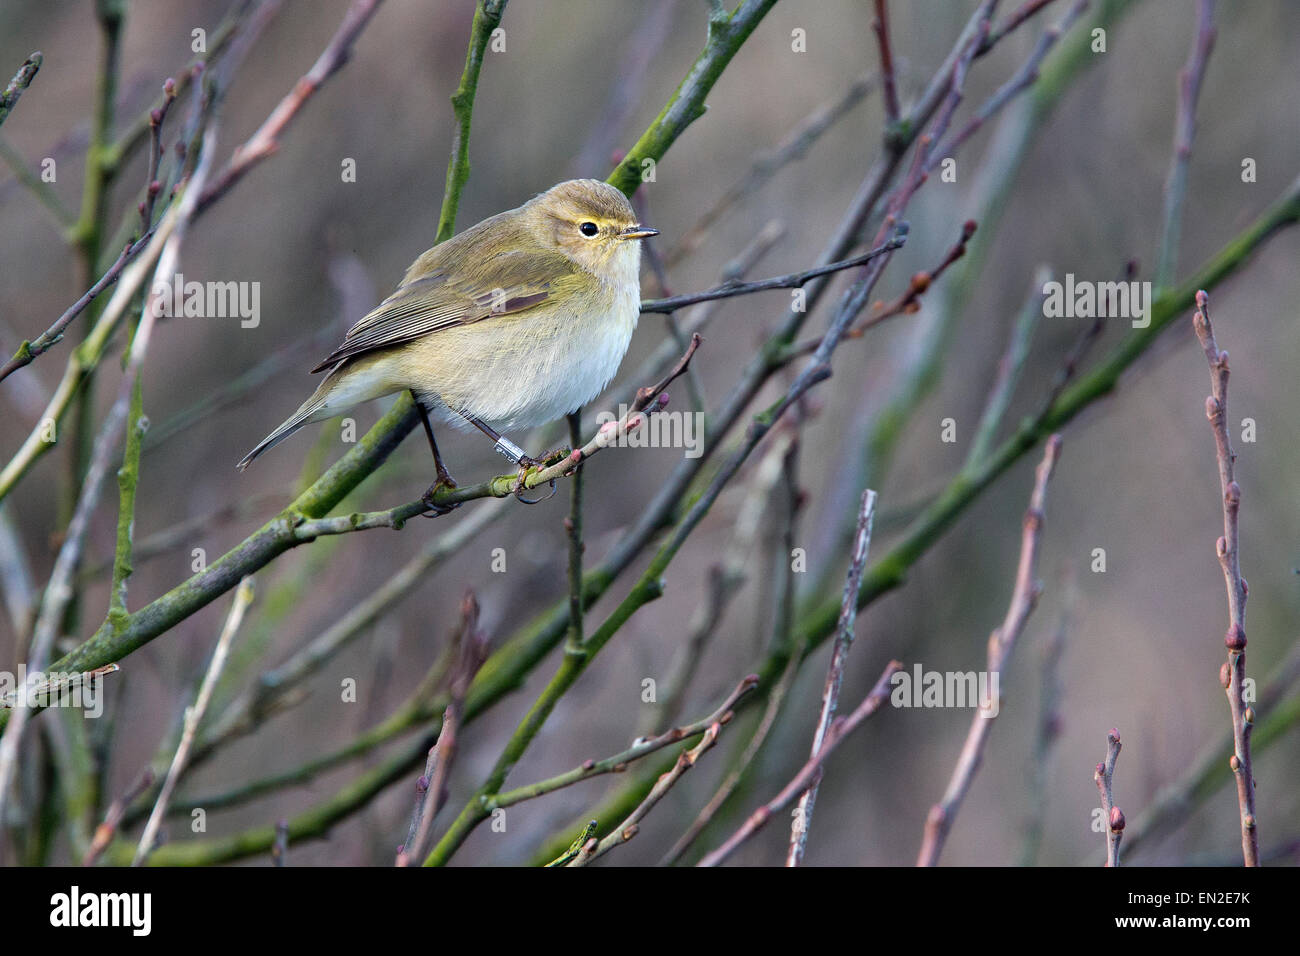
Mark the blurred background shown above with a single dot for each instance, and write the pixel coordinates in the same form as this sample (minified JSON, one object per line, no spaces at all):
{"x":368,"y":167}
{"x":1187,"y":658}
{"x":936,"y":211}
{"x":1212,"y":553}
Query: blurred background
{"x":577,"y":81}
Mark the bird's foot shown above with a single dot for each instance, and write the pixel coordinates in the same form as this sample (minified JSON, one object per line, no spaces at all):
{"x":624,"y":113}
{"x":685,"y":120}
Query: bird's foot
{"x":437,"y":510}
{"x":527,"y":464}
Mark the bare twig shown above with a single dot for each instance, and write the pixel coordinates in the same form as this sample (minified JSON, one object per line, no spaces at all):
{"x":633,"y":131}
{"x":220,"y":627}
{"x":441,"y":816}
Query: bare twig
{"x":1023,"y":78}
{"x":642,"y":747}
{"x":28,"y":351}
{"x":839,"y":729}
{"x":793,"y":280}
{"x":266,"y":140}
{"x":1001,"y":643}
{"x":107,"y":830}
{"x":880,"y":25}
{"x":685,"y":761}
{"x":767,"y":163}
{"x":1233,"y":674}
{"x":1113,"y":816}
{"x":1189,"y":91}
{"x":470,"y":650}
{"x":835,"y":672}
{"x":193,"y":715}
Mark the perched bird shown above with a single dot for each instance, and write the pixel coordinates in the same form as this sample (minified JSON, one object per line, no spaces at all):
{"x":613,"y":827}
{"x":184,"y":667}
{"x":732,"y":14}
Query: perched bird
{"x":513,"y":323}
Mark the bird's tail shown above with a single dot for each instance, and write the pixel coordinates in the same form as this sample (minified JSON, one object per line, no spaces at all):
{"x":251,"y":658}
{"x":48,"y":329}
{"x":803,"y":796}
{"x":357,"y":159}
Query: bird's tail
{"x":299,"y":418}
{"x":345,"y":387}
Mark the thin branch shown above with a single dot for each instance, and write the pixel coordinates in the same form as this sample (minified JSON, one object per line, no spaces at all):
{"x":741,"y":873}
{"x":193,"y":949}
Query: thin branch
{"x":193,"y":715}
{"x":1189,"y":91}
{"x":107,"y":830}
{"x":1009,"y":370}
{"x":793,"y":280}
{"x":629,"y":828}
{"x":838,"y":731}
{"x":1104,"y":776}
{"x":835,"y":671}
{"x":1049,"y":719}
{"x":266,"y":140}
{"x":767,"y":163}
{"x":573,"y":527}
{"x":1001,"y":643}
{"x":28,"y":351}
{"x":642,"y":747}
{"x":1174,"y":802}
{"x":1023,"y":78}
{"x":880,"y":26}
{"x":470,"y":650}
{"x":22,"y":79}
{"x":1233,"y":674}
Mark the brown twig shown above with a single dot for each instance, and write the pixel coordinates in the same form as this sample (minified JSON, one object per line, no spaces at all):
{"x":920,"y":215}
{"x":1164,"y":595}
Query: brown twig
{"x":880,"y":25}
{"x":1104,"y":776}
{"x":107,"y":830}
{"x":471,"y":651}
{"x":1001,"y":643}
{"x":152,"y":185}
{"x":835,"y":672}
{"x":1020,"y":81}
{"x":1233,"y":674}
{"x":839,"y":729}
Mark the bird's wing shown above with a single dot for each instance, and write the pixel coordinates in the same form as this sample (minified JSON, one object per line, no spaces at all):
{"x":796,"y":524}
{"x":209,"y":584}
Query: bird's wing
{"x":448,"y":294}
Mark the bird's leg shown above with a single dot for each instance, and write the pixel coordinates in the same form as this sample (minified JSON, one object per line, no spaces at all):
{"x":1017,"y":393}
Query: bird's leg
{"x":444,"y":479}
{"x":516,"y":455}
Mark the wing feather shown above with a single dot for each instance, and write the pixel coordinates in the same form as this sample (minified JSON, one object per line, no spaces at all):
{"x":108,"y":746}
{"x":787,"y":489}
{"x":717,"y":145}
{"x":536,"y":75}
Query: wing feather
{"x":455,"y":288}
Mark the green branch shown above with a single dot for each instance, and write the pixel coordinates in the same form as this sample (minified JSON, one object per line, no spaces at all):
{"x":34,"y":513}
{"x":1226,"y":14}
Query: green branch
{"x":727,"y":33}
{"x":487,"y":17}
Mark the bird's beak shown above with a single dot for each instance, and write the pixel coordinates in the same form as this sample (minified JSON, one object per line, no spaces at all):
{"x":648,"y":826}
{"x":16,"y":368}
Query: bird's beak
{"x":637,"y":232}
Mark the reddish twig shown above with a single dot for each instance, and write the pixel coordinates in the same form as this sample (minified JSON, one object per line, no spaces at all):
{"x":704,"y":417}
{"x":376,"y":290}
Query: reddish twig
{"x":151,"y":184}
{"x":471,"y":647}
{"x":1104,"y":776}
{"x":1001,"y":643}
{"x":107,"y":830}
{"x":881,"y":27}
{"x":1233,"y":673}
{"x":266,"y":140}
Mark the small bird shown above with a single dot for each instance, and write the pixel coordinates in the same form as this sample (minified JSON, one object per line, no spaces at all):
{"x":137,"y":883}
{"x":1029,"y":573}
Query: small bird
{"x":515,"y":322}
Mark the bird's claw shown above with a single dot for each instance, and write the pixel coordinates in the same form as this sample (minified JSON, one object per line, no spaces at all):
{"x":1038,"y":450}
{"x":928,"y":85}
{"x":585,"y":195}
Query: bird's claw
{"x":518,"y":490}
{"x":437,"y":510}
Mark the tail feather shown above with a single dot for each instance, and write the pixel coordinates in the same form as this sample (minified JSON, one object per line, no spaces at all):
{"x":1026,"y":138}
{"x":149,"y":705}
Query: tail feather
{"x":299,"y":418}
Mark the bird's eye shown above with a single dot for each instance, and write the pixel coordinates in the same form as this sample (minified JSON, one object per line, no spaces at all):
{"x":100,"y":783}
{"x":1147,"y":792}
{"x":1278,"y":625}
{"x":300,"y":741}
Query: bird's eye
{"x":589,"y":229}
